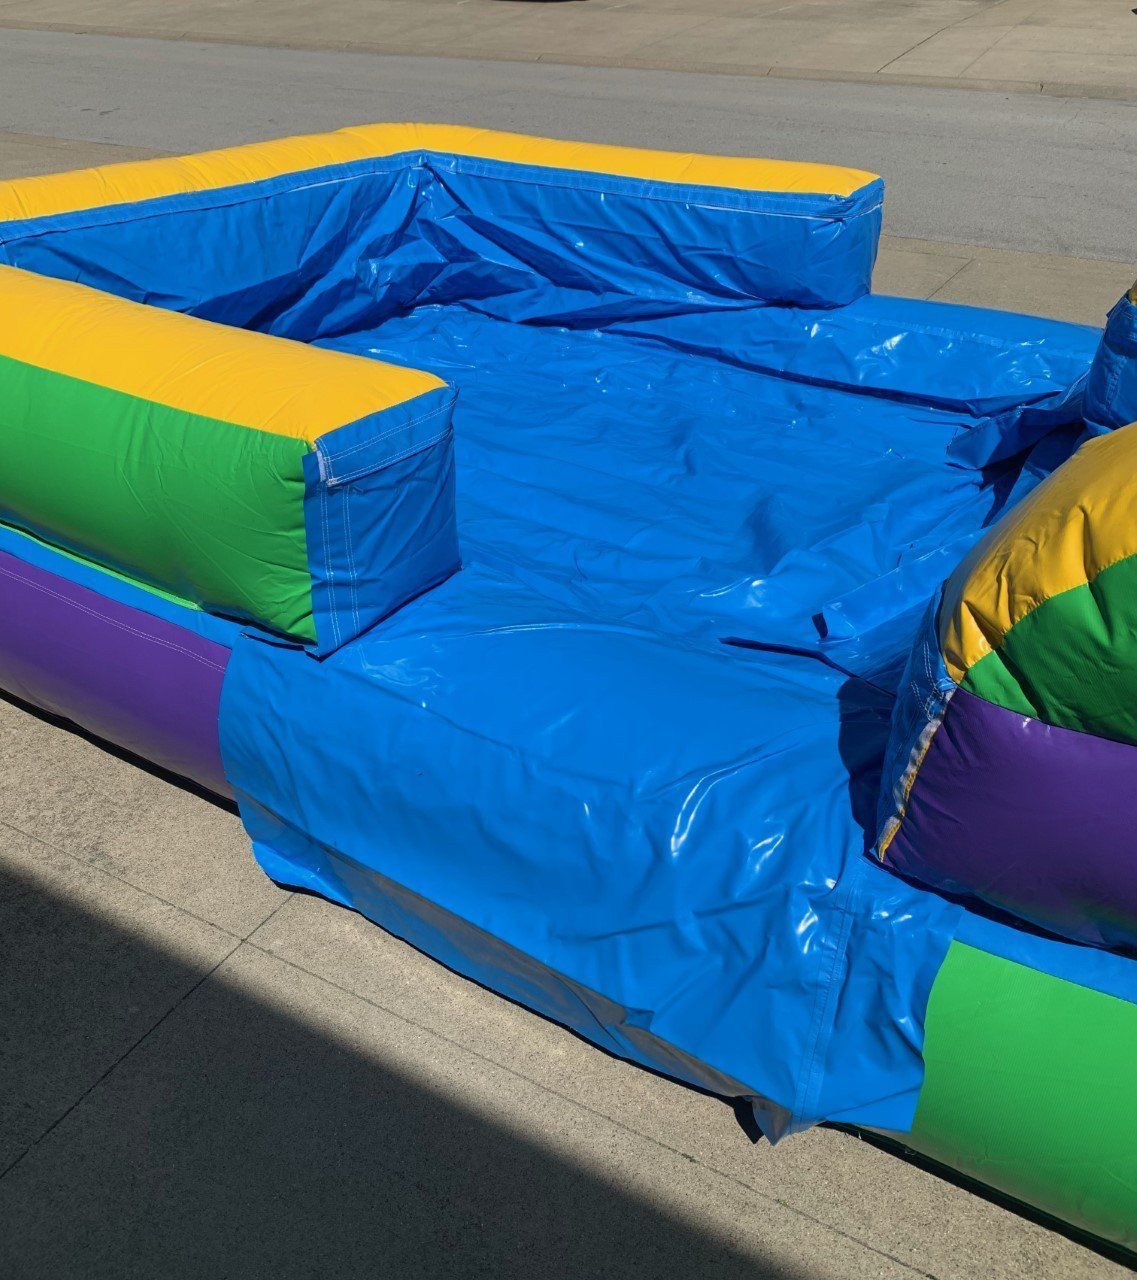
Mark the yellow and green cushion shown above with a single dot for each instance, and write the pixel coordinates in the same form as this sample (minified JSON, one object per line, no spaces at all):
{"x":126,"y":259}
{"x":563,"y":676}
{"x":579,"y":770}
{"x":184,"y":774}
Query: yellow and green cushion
{"x":304,"y":490}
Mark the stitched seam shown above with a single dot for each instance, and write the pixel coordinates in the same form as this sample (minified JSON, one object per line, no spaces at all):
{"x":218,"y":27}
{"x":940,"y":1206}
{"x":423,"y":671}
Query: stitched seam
{"x":920,"y":751}
{"x":387,"y":462}
{"x":338,"y":455}
{"x":1113,"y":378}
{"x":352,"y":578}
{"x":114,"y":622}
{"x":823,"y":1003}
{"x":329,"y":572}
{"x":931,"y":700}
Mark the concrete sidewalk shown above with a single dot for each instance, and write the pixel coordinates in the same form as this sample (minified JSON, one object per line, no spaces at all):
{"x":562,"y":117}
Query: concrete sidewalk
{"x":1081,"y":48}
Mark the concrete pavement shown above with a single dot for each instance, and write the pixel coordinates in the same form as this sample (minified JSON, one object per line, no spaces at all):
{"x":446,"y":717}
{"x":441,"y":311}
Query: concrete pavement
{"x":204,"y":1075}
{"x":201,"y":1074}
{"x":1082,"y":48}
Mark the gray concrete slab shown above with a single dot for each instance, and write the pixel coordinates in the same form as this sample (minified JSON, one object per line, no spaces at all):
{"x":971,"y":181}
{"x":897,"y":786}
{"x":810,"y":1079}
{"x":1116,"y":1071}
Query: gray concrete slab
{"x":1030,"y":46}
{"x":1055,"y":285}
{"x":24,"y":155}
{"x":106,"y":812}
{"x":929,"y":1225}
{"x":75,"y":998}
{"x":910,"y":269}
{"x":1037,"y":174}
{"x":271,"y":1126}
{"x":275,"y":1125}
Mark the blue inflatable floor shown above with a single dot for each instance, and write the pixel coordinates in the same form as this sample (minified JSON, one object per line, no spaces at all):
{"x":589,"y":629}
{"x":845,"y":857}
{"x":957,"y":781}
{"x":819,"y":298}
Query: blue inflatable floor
{"x":622,"y":767}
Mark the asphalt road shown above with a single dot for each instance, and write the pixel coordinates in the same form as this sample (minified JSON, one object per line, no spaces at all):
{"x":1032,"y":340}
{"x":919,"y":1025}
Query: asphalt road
{"x":1014,"y":171}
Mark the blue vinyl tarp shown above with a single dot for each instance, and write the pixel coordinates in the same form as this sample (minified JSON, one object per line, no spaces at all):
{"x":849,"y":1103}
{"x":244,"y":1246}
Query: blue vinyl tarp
{"x":623,"y":766}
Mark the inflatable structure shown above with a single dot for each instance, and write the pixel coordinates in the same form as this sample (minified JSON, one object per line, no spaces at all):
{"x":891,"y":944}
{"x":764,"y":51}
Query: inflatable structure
{"x":563,"y":559}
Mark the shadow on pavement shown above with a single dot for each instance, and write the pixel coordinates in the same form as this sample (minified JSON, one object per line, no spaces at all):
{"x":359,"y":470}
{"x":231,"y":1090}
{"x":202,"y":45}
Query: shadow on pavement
{"x":240,"y":1139}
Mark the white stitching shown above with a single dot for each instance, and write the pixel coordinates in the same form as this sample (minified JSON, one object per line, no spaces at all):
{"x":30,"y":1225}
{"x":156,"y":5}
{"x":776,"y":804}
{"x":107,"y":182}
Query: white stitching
{"x":352,"y":580}
{"x":338,"y":454}
{"x":329,"y":572}
{"x":396,"y":457}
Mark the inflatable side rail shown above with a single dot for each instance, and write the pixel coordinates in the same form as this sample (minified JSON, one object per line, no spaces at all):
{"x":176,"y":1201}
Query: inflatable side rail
{"x":229,"y":167}
{"x":242,"y":234}
{"x":306,"y":491}
{"x":1015,"y":739}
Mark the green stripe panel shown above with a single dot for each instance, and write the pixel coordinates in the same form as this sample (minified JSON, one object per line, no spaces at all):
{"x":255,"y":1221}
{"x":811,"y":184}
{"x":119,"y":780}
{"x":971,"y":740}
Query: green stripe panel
{"x":1072,"y":661}
{"x":1030,"y":1088}
{"x":208,"y":510}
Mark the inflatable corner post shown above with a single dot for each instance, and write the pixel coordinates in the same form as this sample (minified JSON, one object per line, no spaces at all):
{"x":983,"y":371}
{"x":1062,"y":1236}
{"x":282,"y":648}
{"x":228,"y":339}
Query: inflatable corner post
{"x":533,"y":538}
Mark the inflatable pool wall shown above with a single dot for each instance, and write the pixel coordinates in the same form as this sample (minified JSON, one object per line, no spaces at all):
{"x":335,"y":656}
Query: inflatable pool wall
{"x":621,"y":765}
{"x":273,"y":236}
{"x":306,"y":490}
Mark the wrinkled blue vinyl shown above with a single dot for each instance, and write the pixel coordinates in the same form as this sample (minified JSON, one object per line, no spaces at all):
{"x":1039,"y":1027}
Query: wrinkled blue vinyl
{"x":623,"y":766}
{"x":1111,"y":391}
{"x":638,"y":738}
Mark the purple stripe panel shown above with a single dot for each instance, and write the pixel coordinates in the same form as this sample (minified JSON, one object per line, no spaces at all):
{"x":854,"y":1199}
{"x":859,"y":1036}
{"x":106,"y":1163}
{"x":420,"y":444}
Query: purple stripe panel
{"x":145,"y":684}
{"x":1036,"y":820}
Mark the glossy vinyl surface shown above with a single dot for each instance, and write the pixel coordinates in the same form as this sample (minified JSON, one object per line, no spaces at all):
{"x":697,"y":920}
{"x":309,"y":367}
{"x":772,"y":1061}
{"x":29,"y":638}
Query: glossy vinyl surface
{"x":637,"y":739}
{"x":139,"y":680}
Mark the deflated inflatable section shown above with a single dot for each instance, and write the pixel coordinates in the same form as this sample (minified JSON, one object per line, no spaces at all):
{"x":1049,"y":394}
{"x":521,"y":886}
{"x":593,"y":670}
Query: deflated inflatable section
{"x":623,"y":764}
